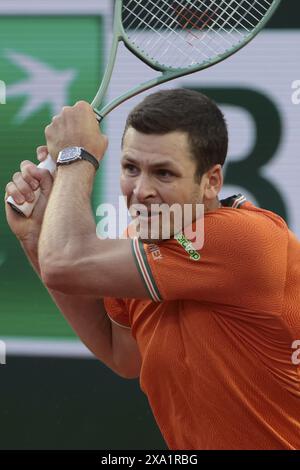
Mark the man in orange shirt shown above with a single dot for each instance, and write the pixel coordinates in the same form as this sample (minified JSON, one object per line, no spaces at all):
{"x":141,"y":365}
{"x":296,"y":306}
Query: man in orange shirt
{"x":209,"y":331}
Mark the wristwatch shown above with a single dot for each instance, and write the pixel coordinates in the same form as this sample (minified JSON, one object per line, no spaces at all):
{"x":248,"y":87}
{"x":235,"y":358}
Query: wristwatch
{"x":73,"y":154}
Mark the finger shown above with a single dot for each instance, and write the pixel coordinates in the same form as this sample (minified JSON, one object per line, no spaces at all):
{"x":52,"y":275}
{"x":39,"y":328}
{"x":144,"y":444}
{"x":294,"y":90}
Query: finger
{"x":41,"y":176}
{"x":29,"y":171}
{"x":23,"y":187}
{"x":84,"y":105}
{"x":42,"y":153}
{"x":106,"y":141}
{"x":12,"y":190}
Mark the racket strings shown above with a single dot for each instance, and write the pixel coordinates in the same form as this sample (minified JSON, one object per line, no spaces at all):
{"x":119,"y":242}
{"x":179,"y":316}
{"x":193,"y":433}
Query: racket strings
{"x":191,"y":36}
{"x":184,"y":33}
{"x":191,"y":21}
{"x":159,"y":28}
{"x":168,"y":40}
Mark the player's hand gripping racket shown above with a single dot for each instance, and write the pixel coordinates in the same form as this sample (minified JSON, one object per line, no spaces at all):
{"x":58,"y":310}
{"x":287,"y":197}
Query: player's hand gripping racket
{"x":176,"y":38}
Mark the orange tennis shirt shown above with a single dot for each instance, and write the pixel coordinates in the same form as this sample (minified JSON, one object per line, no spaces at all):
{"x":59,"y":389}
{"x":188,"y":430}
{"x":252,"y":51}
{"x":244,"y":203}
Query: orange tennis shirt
{"x":216,"y":338}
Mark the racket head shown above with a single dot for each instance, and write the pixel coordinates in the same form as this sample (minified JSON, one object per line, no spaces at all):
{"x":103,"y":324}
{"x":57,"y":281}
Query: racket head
{"x":195,"y":26}
{"x":190,"y":35}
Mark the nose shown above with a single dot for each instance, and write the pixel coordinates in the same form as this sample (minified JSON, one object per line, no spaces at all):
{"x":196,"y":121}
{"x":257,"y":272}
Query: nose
{"x":144,"y":189}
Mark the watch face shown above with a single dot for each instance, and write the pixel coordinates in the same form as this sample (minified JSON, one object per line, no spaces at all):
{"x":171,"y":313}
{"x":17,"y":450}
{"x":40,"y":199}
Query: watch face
{"x":69,"y":154}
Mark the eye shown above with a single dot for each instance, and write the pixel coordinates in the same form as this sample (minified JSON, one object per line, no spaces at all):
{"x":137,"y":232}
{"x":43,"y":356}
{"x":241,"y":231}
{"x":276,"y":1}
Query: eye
{"x":165,"y":174}
{"x":130,"y":169}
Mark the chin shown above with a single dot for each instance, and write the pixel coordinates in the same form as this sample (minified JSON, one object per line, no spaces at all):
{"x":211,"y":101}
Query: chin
{"x":156,"y":236}
{"x":154,"y":241}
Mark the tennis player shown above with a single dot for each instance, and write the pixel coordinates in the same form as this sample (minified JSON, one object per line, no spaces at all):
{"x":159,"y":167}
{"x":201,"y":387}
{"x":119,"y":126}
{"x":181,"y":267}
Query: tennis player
{"x":209,"y":336}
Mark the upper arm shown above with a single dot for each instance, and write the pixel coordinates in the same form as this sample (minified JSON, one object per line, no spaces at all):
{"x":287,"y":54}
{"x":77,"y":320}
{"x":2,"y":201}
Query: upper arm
{"x":105,"y":268}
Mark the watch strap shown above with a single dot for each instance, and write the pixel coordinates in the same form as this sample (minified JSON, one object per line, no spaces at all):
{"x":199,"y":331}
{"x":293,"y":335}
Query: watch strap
{"x":81,"y":155}
{"x":89,"y":158}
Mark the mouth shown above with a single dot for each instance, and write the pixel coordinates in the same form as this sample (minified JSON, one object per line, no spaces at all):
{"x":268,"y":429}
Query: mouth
{"x":145,"y":213}
{"x":148,"y":216}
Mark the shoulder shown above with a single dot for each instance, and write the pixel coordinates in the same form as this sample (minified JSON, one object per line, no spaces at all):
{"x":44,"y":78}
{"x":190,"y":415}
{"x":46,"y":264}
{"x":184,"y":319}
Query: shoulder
{"x":245,"y":232}
{"x":247,"y":221}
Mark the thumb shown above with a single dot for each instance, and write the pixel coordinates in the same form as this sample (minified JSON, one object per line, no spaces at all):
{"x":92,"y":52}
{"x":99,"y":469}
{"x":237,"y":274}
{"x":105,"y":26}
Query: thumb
{"x":45,"y":180}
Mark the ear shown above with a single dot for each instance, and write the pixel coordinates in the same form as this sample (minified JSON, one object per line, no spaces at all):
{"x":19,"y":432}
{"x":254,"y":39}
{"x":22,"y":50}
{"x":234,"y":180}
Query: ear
{"x":213,"y":183}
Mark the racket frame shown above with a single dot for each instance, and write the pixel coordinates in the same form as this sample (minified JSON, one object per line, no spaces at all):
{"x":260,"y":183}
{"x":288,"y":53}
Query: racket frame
{"x":167,"y":73}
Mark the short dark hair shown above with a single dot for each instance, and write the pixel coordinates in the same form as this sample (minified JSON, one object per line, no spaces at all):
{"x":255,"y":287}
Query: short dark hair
{"x":187,"y":111}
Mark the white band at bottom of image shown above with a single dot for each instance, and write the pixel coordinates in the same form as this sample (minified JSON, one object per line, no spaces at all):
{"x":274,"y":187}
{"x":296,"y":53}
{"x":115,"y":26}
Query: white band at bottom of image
{"x":46,"y":347}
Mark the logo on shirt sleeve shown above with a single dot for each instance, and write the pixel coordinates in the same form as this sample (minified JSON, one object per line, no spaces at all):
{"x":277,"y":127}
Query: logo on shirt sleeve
{"x":187,"y":246}
{"x":155,"y":251}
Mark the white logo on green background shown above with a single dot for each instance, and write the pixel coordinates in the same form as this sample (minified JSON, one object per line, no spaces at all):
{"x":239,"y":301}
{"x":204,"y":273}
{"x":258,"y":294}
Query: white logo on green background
{"x":44,"y":85}
{"x":187,"y":246}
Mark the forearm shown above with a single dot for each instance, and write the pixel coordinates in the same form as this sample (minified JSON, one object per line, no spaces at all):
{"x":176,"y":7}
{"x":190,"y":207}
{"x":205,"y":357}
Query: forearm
{"x":68,"y":219}
{"x":30,"y":250}
{"x":86,"y":315}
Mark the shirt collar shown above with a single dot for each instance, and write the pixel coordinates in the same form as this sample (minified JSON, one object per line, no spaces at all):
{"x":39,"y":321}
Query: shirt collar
{"x":234,"y":201}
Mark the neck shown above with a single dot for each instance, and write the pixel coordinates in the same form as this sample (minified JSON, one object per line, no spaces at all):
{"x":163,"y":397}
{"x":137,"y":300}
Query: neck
{"x":212,"y":205}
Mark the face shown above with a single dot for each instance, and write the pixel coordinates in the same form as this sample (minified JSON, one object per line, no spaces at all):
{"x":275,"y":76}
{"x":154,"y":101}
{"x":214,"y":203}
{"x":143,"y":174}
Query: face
{"x":159,"y":169}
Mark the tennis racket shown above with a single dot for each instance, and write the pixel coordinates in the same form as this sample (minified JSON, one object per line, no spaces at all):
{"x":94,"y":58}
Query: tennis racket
{"x":176,"y":38}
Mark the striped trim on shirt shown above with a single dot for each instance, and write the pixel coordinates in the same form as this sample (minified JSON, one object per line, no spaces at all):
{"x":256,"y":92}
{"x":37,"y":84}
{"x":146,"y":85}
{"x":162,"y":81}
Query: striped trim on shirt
{"x":144,"y":268}
{"x":239,"y":201}
{"x":234,"y":201}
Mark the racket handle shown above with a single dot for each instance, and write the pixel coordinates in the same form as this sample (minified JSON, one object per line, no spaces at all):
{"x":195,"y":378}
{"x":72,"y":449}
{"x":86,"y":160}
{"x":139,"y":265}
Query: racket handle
{"x":27,"y":208}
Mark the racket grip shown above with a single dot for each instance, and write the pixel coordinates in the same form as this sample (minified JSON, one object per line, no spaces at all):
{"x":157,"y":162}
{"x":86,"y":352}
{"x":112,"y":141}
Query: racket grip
{"x":27,"y":208}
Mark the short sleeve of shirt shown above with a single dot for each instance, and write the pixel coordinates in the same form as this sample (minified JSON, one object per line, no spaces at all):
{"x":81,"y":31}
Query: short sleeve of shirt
{"x":117,"y":311}
{"x":242,"y":262}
